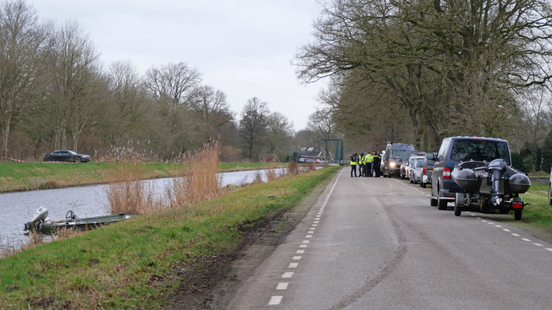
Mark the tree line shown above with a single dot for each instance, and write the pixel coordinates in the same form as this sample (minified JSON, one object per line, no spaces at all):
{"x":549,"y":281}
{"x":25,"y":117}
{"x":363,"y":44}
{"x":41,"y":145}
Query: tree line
{"x":56,"y":94}
{"x":420,"y":71}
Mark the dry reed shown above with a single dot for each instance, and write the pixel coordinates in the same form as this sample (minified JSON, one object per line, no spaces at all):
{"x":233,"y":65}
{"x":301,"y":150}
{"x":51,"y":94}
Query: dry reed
{"x":292,"y":169}
{"x":271,"y":175}
{"x":196,"y":182}
{"x":129,"y":194}
{"x":258,"y":178}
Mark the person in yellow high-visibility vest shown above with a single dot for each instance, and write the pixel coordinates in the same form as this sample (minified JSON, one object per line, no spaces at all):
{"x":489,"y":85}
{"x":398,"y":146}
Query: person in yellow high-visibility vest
{"x":369,"y":160}
{"x":364,"y":160}
{"x":354,"y":159}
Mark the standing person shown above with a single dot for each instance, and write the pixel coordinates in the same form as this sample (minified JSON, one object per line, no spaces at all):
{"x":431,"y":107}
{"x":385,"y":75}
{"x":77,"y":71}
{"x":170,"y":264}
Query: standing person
{"x":365,"y":159}
{"x":354,"y":159}
{"x":377,"y":164}
{"x":369,"y":161}
{"x":361,"y":164}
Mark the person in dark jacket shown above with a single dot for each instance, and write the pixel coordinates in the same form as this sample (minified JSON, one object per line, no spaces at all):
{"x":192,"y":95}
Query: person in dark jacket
{"x":360,"y":164}
{"x":377,"y":163}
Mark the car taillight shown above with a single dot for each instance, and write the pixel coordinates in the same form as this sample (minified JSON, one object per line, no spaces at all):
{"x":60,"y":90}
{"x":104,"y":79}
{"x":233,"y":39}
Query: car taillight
{"x":517,"y":205}
{"x":446,"y":173}
{"x":425,"y":170}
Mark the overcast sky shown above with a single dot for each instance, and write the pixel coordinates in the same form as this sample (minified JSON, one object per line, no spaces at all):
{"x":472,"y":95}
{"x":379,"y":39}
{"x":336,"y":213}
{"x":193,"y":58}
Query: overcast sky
{"x":242,"y":47}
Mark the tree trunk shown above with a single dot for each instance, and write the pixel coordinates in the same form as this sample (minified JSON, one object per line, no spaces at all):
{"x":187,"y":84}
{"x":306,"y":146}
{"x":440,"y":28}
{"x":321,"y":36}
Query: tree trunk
{"x":5,"y":139}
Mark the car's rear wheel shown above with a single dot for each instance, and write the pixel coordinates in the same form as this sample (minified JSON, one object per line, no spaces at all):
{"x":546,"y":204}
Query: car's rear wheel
{"x":432,"y":202}
{"x":517,"y":215}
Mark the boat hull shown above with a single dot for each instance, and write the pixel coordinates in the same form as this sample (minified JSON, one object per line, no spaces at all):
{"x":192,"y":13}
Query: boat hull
{"x":88,"y":223}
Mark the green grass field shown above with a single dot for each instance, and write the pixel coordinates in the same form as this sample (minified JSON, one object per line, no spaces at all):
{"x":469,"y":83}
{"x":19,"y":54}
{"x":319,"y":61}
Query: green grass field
{"x":16,"y":176}
{"x":132,"y":264}
{"x":539,"y":213}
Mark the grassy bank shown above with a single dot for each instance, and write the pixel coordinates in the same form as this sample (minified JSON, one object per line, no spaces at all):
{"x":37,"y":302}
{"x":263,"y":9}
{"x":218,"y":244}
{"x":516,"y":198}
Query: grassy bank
{"x":15,"y":176}
{"x":539,"y":213}
{"x":137,"y":263}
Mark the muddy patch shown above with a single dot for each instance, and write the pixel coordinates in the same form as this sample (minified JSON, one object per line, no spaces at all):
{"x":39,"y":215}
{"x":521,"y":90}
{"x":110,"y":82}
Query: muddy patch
{"x":210,"y":282}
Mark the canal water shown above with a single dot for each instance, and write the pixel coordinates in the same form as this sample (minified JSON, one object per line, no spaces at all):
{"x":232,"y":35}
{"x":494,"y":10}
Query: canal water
{"x":19,"y":208}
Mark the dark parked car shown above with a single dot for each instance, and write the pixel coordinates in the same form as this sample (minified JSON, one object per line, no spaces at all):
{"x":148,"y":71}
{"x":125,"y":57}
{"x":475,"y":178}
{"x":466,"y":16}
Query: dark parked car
{"x":393,"y":158}
{"x":455,"y":149}
{"x":427,"y":169}
{"x":66,"y":155}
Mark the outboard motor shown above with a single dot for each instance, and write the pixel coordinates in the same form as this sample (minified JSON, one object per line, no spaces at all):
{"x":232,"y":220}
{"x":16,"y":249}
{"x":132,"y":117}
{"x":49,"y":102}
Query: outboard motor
{"x":40,"y":215}
{"x":497,"y":168}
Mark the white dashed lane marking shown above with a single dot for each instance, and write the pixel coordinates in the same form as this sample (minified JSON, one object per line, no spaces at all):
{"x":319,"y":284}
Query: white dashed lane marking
{"x":287,"y":275}
{"x":513,"y":234}
{"x":276,"y":300}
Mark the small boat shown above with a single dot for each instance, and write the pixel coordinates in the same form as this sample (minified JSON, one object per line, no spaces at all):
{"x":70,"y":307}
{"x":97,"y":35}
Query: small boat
{"x":42,"y":224}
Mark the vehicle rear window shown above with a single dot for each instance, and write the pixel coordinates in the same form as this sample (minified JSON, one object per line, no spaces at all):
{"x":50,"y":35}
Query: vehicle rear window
{"x":419,"y":164}
{"x":479,"y":150}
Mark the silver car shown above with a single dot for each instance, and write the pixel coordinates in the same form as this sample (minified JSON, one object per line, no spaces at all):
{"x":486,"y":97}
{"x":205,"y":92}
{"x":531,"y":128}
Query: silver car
{"x":416,"y":170}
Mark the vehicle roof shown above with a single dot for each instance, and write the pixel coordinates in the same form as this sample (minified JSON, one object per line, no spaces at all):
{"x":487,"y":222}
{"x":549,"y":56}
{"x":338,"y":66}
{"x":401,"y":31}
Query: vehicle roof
{"x":475,"y":138}
{"x":400,"y":145}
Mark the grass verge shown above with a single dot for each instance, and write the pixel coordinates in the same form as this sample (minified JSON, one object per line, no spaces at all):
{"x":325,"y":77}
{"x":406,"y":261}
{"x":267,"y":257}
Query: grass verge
{"x":539,"y":213}
{"x":138,"y":263}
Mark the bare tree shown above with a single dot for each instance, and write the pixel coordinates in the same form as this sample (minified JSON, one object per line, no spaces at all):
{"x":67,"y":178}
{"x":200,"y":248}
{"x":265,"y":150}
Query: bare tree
{"x":279,"y":132}
{"x":21,"y":44}
{"x":74,"y":88}
{"x":253,"y":127}
{"x":172,"y":83}
{"x":537,"y":110}
{"x":213,"y":109}
{"x":128,"y":105}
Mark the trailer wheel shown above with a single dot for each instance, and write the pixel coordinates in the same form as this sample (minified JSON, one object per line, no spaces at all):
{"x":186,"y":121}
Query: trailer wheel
{"x":457,"y":210}
{"x":517,"y":215}
{"x":484,"y":204}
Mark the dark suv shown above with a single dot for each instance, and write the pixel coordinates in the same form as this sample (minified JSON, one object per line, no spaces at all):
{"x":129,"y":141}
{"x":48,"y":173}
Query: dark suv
{"x":455,"y":149}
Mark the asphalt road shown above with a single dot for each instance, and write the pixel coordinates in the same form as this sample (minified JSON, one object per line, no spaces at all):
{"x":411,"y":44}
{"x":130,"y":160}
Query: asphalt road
{"x":377,"y":244}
